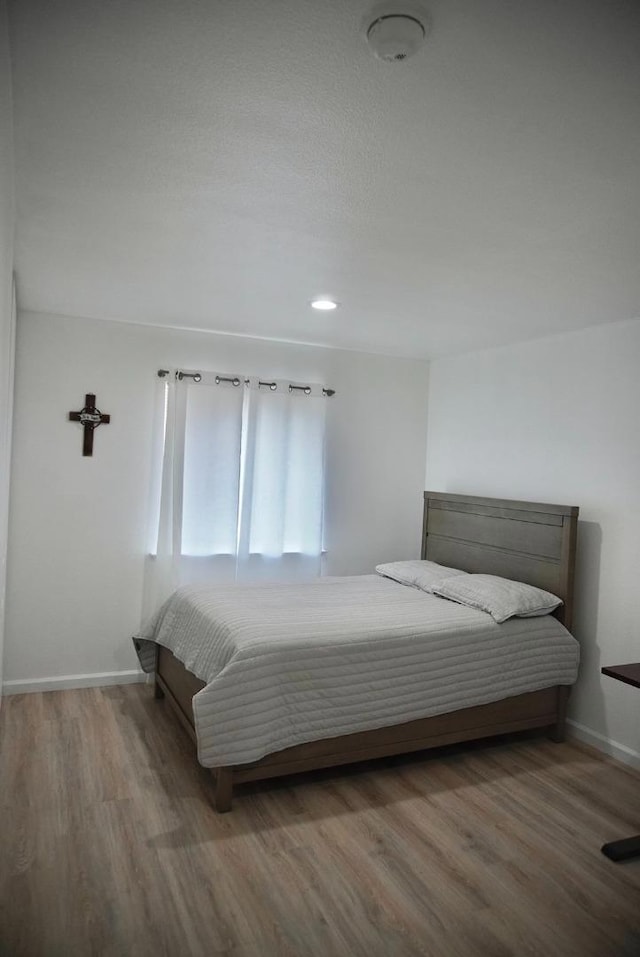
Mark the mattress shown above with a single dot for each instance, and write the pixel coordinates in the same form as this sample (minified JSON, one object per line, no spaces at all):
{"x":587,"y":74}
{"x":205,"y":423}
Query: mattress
{"x":287,"y":664}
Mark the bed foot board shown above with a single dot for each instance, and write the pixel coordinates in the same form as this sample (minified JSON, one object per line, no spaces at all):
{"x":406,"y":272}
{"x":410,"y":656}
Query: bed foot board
{"x":158,"y":693}
{"x":558,"y":730}
{"x":224,"y":789}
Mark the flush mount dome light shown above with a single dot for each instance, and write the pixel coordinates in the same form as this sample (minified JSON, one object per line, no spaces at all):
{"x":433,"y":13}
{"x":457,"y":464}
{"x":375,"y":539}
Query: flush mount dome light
{"x":324,"y":305}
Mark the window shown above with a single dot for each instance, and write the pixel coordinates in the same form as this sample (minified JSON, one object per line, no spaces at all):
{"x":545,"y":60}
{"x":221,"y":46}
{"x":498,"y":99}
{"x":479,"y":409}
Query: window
{"x":238,"y":481}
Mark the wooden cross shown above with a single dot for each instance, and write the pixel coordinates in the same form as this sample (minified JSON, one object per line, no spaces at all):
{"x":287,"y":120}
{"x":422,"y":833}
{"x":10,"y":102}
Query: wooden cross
{"x":90,"y":418}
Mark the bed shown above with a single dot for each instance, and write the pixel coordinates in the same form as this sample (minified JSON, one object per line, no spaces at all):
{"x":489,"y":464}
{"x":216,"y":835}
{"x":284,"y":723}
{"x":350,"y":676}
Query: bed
{"x":247,"y":709}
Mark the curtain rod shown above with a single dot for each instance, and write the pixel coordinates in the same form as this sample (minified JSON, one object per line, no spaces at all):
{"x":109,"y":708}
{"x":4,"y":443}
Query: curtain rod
{"x":235,"y":381}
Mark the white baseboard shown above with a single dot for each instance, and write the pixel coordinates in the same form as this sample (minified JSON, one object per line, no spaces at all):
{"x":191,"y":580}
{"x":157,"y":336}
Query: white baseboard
{"x":64,"y":682}
{"x":613,"y":748}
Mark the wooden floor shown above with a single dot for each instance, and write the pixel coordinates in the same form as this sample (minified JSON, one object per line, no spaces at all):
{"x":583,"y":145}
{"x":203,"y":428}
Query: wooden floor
{"x":109,"y":846}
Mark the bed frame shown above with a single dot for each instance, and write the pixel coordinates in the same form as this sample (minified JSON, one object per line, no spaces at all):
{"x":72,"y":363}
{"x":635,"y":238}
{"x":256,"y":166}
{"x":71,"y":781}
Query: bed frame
{"x":526,"y":541}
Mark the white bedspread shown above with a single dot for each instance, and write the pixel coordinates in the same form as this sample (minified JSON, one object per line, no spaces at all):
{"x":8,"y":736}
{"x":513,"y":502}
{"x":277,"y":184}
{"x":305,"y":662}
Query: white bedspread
{"x":285,"y":664}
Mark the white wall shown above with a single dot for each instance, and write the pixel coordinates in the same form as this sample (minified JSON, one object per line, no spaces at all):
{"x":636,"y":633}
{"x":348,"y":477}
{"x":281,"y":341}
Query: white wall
{"x":558,"y":420}
{"x":77,"y":530}
{"x":6,"y":323}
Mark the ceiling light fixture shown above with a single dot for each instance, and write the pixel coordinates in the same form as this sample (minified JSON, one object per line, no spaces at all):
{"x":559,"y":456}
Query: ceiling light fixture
{"x":324,"y":305}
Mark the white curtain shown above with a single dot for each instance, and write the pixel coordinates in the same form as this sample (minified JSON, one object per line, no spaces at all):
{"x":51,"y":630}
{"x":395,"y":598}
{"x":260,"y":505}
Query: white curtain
{"x":237,"y":489}
{"x":280,"y":527}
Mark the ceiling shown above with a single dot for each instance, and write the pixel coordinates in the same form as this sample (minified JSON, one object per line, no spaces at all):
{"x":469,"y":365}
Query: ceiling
{"x":214,"y":164}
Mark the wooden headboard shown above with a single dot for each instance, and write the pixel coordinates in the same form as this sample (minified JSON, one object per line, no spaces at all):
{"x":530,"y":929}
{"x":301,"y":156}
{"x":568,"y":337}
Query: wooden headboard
{"x":526,"y":541}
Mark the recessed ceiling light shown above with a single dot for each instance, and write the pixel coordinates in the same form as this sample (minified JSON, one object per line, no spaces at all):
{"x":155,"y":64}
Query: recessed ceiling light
{"x":324,"y":305}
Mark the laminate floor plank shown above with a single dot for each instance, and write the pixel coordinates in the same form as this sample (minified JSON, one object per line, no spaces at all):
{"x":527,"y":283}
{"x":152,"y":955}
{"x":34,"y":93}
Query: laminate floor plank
{"x":109,"y":846}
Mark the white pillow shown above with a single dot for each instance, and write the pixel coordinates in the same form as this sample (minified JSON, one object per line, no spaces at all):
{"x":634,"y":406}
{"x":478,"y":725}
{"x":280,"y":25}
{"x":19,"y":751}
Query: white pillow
{"x":500,"y":597}
{"x":418,"y":574}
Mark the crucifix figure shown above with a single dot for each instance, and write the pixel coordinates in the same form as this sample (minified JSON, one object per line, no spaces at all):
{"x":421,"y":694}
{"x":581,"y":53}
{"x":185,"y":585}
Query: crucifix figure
{"x":90,"y":418}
